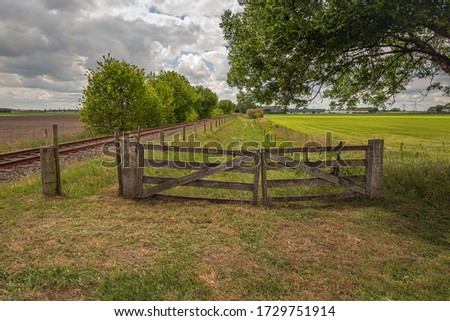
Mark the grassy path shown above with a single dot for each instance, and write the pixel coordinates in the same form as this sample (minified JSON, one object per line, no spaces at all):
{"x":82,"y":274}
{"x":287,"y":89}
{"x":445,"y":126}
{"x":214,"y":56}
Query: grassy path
{"x":91,"y":245}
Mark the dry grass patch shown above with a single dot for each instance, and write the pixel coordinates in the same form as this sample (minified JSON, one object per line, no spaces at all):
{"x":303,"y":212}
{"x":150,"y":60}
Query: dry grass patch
{"x":217,"y":267}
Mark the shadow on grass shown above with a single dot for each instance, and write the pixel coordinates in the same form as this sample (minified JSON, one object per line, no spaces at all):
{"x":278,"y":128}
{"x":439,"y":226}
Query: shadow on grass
{"x":411,"y":217}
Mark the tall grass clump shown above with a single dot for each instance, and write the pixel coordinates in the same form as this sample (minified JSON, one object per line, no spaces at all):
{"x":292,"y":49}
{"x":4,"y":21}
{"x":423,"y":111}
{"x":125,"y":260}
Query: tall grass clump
{"x":427,"y":181}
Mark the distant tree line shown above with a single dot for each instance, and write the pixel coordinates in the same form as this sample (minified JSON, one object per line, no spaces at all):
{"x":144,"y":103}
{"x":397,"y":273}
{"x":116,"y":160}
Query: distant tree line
{"x":438,"y":109}
{"x":120,"y":94}
{"x":45,"y":110}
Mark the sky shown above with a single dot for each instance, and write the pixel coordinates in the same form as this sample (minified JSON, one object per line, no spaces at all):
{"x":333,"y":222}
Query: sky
{"x":46,"y":46}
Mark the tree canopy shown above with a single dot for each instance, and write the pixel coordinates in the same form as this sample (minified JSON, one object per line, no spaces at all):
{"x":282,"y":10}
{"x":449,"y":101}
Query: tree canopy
{"x":227,"y":106}
{"x":291,"y":51}
{"x":206,"y":101}
{"x":116,"y":96}
{"x":119,"y":94}
{"x":184,"y":96}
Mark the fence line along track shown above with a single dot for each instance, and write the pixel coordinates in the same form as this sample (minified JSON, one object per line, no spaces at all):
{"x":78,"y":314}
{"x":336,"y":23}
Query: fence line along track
{"x":21,"y":157}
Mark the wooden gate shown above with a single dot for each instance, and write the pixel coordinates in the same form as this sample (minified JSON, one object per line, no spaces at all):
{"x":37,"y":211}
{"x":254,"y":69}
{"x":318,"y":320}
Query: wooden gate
{"x":134,"y":181}
{"x":275,"y":159}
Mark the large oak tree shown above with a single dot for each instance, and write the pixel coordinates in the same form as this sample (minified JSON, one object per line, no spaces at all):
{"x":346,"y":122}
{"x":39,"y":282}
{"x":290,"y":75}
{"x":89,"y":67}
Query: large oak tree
{"x":290,"y":51}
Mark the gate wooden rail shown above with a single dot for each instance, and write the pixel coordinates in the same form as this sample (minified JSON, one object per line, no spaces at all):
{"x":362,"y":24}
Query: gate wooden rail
{"x":274,"y":159}
{"x":255,"y":163}
{"x":133,"y":178}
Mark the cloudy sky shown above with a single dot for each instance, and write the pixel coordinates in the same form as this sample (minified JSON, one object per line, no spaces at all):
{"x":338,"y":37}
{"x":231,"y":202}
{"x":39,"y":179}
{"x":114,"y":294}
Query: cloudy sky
{"x":47,"y":45}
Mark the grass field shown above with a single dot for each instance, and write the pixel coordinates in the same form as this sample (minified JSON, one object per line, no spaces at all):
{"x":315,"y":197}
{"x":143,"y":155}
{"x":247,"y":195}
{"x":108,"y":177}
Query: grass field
{"x":90,"y":244}
{"x":422,"y":135}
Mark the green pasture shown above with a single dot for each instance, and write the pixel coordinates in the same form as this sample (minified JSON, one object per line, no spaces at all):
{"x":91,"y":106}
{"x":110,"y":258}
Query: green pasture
{"x":421,"y":135}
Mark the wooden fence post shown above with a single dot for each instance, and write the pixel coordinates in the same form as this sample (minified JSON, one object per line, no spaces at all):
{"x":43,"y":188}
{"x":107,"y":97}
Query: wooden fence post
{"x":374,"y":169}
{"x":256,"y":178}
{"x":211,"y":125}
{"x":140,"y":170}
{"x":161,"y":136}
{"x":195,"y":130}
{"x":184,"y":133}
{"x":138,"y":136}
{"x":264,"y":177}
{"x":335,"y":170}
{"x":130,"y":169}
{"x":56,"y":155}
{"x":118,"y":159}
{"x":48,"y":170}
{"x":204,"y":127}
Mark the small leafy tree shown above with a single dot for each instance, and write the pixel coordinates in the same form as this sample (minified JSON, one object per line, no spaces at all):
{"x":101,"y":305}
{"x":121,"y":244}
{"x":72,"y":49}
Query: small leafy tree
{"x":151,"y":113}
{"x":206,"y":101}
{"x":227,"y":106}
{"x":184,"y":96}
{"x":166,"y":94}
{"x":116,"y":96}
{"x":245,"y":100}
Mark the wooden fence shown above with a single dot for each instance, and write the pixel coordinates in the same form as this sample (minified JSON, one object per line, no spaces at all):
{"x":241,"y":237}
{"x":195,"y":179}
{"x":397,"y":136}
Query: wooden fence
{"x":255,"y":163}
{"x":49,"y":156}
{"x":134,"y":180}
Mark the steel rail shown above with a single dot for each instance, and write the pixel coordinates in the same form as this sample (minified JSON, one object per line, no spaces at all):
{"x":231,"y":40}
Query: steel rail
{"x":16,"y":158}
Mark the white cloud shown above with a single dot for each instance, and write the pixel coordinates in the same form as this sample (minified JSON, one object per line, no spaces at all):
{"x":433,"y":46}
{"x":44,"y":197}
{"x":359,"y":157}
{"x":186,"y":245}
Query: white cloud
{"x":193,"y":67}
{"x":47,"y":45}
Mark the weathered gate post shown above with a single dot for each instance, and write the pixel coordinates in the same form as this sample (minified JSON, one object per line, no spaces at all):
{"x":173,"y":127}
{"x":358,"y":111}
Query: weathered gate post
{"x":56,"y":156}
{"x":256,"y":171}
{"x":49,"y":171}
{"x":118,"y":159}
{"x":132,"y":169}
{"x":264,"y":176}
{"x":374,"y":169}
{"x":161,"y":136}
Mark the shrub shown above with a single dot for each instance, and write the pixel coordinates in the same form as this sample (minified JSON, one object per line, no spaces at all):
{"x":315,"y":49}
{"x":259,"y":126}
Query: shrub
{"x":192,"y":116}
{"x":216,"y":112}
{"x":255,"y":113}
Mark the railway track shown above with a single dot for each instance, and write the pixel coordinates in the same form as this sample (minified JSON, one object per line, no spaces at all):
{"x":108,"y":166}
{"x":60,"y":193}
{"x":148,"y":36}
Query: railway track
{"x":17,"y":158}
